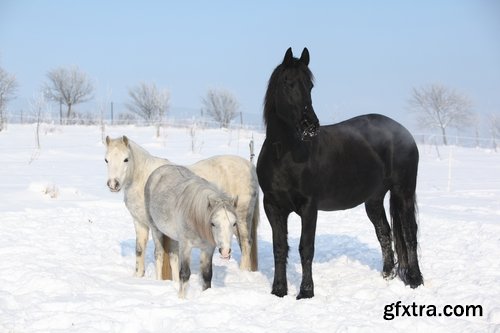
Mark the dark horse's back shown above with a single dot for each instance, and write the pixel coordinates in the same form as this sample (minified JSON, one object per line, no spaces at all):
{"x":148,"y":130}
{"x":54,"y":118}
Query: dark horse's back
{"x":371,"y":154}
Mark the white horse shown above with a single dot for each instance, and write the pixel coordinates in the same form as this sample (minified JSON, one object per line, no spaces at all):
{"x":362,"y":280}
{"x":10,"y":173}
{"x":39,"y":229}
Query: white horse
{"x":192,"y":211}
{"x":129,"y":166}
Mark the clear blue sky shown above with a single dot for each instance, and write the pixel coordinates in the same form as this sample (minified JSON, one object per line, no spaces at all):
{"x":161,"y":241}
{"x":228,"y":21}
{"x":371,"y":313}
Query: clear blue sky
{"x":366,"y":55}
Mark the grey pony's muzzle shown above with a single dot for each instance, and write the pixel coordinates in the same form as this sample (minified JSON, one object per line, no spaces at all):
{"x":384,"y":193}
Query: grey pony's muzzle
{"x":225,"y":254}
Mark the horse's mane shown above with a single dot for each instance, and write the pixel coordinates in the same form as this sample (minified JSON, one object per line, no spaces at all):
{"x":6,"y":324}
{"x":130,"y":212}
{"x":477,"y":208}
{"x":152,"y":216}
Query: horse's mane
{"x":138,"y":150}
{"x":272,"y":86}
{"x":194,"y":202}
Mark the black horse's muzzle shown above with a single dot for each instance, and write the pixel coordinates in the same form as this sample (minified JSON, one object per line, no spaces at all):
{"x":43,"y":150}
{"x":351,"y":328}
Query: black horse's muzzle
{"x":309,"y":124}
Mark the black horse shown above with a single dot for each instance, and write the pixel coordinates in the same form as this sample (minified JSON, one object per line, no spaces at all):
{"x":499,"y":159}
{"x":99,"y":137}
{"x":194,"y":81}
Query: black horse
{"x":304,"y":168}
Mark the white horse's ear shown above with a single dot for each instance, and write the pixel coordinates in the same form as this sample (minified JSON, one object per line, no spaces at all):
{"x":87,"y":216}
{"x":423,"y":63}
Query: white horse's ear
{"x":125,"y":140}
{"x":108,"y":140}
{"x":235,"y":201}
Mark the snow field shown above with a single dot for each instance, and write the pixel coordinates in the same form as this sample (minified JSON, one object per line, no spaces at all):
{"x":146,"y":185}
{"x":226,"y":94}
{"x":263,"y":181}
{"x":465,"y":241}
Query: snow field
{"x":68,"y":247}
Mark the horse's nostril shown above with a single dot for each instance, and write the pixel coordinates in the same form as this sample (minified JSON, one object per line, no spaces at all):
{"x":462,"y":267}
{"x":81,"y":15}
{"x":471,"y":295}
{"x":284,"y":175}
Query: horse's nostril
{"x":113,"y":184}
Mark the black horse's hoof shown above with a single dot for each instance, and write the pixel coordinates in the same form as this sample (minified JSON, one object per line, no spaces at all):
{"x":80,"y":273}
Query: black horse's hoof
{"x":411,"y":277}
{"x":305,"y":294}
{"x":279,"y":293}
{"x":389,"y":275}
{"x":279,"y":289}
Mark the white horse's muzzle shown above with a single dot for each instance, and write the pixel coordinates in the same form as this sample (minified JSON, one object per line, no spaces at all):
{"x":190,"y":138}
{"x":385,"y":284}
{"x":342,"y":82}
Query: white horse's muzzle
{"x":114,"y":185}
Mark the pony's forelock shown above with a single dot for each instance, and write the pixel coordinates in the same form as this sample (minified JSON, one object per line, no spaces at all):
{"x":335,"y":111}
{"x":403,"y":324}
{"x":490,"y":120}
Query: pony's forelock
{"x":197,"y":207}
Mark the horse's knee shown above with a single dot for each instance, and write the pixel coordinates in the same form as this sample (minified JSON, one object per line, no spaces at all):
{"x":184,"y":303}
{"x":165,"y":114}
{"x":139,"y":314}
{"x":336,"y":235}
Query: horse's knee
{"x":184,"y":273}
{"x":306,"y":252}
{"x":138,"y":251}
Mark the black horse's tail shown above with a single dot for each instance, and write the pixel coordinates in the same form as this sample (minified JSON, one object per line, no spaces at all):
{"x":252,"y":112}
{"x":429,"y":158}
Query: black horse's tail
{"x":404,"y":230}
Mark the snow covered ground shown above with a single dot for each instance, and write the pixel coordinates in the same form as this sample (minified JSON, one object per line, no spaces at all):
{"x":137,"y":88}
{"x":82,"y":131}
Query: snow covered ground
{"x":67,"y":248}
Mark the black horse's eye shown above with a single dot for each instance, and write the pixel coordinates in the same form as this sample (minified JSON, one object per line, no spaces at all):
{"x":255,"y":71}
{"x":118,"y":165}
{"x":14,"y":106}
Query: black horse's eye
{"x":106,"y":160}
{"x":125,"y":160}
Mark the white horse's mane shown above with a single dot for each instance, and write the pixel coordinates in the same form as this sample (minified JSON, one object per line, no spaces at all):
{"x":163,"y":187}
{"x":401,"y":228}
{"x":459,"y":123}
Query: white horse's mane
{"x":142,"y":157}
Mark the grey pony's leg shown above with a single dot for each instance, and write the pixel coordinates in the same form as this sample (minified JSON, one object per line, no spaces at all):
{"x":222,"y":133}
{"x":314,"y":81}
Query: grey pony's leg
{"x":185,"y":270}
{"x":141,"y":240}
{"x":206,"y":256}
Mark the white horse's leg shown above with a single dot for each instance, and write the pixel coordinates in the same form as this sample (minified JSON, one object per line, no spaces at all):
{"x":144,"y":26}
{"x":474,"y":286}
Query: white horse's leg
{"x":244,"y":226}
{"x":159,"y":251}
{"x":141,"y":240}
{"x":206,"y":267}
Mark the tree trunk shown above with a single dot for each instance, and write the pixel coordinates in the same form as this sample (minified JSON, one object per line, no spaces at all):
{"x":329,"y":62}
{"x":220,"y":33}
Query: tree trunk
{"x":445,"y":140}
{"x":68,"y":116}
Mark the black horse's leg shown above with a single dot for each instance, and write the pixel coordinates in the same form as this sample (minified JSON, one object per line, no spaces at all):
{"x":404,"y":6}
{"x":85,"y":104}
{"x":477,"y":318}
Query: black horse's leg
{"x":279,"y":226}
{"x":405,"y":236}
{"x":376,"y":214}
{"x":309,"y":215}
{"x":413,"y":276}
{"x":206,"y":256}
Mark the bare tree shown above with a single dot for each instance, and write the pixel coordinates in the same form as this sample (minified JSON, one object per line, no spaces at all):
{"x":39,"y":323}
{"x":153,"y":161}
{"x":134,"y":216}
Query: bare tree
{"x":68,"y":86}
{"x":8,"y":86}
{"x":440,"y":107}
{"x":221,"y":106}
{"x":37,"y":106}
{"x":149,"y":102}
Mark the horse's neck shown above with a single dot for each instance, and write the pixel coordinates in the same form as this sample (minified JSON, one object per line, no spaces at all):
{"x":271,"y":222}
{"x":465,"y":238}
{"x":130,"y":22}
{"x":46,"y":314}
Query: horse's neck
{"x":143,"y":165}
{"x":277,"y":131}
{"x":284,"y":139}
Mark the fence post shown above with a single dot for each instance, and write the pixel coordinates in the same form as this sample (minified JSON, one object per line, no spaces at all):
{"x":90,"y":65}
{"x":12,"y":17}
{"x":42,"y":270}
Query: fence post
{"x":450,"y":158}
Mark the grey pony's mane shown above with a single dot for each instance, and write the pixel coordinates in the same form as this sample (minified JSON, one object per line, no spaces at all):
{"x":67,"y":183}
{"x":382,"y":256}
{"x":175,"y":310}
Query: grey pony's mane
{"x":195,"y":204}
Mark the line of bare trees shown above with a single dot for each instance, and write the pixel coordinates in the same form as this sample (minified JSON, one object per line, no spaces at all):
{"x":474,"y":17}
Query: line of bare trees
{"x":435,"y":106}
{"x":69,"y":86}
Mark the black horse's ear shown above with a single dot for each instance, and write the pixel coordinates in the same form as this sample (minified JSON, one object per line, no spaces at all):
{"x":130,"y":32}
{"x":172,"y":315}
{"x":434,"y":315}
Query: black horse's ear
{"x":304,"y":58}
{"x":288,"y":60}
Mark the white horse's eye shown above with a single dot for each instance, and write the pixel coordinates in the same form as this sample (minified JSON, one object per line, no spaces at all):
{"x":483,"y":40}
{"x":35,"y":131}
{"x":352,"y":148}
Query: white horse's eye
{"x":106,"y":160}
{"x":234,"y":224}
{"x":125,"y":160}
{"x":213,"y":224}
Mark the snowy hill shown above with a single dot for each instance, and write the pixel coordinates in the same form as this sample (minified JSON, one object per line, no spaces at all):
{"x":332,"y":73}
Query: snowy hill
{"x":68,"y":248}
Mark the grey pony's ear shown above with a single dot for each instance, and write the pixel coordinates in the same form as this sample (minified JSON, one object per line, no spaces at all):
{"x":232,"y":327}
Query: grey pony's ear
{"x":125,"y":140}
{"x":304,"y":58}
{"x":288,"y":59}
{"x":108,"y":140}
{"x":212,"y":202}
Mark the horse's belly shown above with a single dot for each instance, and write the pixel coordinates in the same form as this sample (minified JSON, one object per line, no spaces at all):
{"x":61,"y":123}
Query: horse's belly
{"x":329,"y":204}
{"x":347,"y":198}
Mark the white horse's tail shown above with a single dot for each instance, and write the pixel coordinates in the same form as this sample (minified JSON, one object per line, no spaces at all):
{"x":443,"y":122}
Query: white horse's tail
{"x":254,"y":265}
